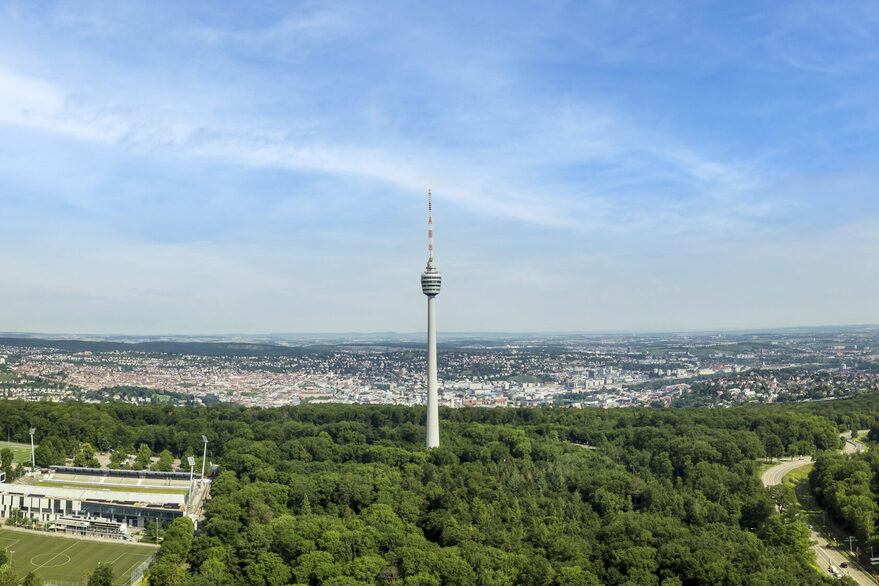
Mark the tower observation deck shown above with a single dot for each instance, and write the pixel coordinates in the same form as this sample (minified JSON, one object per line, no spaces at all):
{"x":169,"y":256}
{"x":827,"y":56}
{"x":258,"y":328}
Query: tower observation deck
{"x":431,"y":280}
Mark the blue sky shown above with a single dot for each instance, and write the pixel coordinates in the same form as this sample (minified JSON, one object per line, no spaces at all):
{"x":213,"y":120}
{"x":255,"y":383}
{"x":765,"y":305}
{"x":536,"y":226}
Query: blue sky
{"x":179,"y":167}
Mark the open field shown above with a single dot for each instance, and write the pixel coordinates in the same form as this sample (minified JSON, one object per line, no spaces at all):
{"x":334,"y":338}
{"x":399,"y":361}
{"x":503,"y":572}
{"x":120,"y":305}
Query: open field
{"x":67,"y":559}
{"x":20,"y":452}
{"x":112,"y":488}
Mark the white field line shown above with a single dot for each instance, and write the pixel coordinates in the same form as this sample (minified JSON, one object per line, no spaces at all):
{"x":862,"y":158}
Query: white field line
{"x":56,"y":555}
{"x":12,"y":542}
{"x":127,"y":573}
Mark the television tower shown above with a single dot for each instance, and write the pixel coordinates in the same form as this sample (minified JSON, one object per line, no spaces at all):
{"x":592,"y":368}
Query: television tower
{"x":430,"y":286}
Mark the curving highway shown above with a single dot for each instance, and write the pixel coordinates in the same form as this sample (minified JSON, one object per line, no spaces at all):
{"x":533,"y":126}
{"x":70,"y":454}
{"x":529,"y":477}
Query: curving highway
{"x":775,"y":475}
{"x":825,"y":556}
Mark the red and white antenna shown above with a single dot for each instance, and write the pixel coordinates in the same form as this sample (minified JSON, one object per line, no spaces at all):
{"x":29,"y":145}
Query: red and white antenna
{"x":429,"y":226}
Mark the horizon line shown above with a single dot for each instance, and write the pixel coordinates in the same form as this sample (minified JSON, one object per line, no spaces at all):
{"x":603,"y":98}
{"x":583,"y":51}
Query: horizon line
{"x":469,"y":333}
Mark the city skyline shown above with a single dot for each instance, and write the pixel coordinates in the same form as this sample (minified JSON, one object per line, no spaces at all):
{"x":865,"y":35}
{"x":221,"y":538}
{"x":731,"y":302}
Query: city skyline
{"x":639,"y":168}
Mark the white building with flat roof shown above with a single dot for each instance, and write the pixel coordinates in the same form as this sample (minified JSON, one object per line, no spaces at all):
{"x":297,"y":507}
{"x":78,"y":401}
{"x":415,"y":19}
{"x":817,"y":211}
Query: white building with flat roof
{"x":48,"y":503}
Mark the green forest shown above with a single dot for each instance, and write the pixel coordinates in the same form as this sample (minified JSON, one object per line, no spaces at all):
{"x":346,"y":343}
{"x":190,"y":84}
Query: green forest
{"x":847,"y":486}
{"x":348,"y":494}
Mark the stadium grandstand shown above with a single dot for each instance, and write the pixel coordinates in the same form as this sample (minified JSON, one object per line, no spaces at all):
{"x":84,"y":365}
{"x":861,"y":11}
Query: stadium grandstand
{"x":101,"y":502}
{"x":120,"y":473}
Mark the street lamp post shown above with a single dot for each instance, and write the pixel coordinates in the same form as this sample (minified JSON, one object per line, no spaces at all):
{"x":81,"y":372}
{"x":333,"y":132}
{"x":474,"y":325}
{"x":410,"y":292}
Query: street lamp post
{"x":850,"y":540}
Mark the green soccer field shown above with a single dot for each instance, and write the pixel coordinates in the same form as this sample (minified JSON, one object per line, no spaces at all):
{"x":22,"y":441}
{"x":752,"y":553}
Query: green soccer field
{"x":20,"y":452}
{"x":66,"y":559}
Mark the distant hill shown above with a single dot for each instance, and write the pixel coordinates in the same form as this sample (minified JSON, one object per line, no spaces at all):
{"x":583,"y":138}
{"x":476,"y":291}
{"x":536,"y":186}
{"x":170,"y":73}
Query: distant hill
{"x":198,"y":348}
{"x":201,"y":348}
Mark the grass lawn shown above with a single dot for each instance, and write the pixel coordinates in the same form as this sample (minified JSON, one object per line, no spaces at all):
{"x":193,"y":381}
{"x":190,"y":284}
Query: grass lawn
{"x":67,"y":558}
{"x":20,"y":452}
{"x":797,"y":475}
{"x":126,"y":488}
{"x":797,"y":480}
{"x":823,"y":523}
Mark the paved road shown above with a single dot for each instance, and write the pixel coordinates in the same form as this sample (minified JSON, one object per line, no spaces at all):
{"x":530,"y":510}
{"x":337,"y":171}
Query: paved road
{"x":775,"y":475}
{"x":852,"y":446}
{"x":826,"y":557}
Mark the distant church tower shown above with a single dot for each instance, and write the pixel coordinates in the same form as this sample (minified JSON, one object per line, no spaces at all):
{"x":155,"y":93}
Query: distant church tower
{"x":430,"y":286}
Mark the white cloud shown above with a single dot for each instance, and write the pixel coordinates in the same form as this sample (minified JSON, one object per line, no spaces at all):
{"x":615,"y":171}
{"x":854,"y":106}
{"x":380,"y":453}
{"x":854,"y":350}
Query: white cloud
{"x":500,"y":178}
{"x":35,"y":103}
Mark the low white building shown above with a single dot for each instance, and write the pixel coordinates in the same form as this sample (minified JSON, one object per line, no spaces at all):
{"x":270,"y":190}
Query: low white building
{"x":49,"y":503}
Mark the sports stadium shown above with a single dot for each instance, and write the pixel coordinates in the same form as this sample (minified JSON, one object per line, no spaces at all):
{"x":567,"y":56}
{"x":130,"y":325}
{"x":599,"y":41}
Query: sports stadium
{"x":101,"y":502}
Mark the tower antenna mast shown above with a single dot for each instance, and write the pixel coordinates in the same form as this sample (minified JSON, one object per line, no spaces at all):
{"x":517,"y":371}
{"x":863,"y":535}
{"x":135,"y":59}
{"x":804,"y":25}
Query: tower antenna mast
{"x":429,"y":227}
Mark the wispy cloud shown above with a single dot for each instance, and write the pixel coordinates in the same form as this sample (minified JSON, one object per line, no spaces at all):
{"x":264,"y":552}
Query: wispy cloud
{"x":285,"y":36}
{"x":560,"y":137}
{"x":578,"y":142}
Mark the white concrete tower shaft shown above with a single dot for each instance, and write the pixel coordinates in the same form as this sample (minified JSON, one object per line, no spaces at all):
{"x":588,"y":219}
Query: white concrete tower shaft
{"x":432,"y":399}
{"x":430,"y":286}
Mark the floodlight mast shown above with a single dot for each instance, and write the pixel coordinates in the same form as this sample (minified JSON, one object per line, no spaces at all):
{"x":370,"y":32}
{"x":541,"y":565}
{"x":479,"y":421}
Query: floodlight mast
{"x":33,"y":455}
{"x":191,"y":461}
{"x":205,"y":457}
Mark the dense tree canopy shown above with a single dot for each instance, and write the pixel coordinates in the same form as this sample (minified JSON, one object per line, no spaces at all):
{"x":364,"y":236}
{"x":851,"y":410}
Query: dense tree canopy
{"x":102,"y":575}
{"x":847,"y":486}
{"x":336,"y":494}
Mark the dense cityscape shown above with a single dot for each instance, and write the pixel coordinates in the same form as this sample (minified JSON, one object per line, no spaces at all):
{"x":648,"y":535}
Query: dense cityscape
{"x":573,"y":371}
